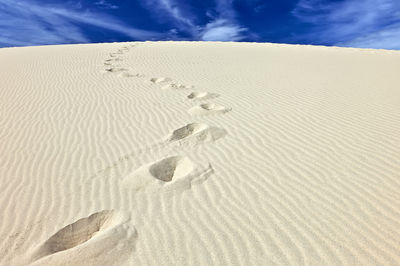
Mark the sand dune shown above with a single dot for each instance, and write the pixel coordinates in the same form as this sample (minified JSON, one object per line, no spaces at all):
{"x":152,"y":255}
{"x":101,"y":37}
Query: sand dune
{"x":191,"y":153}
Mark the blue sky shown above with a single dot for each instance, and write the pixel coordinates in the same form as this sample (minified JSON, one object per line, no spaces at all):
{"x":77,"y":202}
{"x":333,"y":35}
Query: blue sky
{"x":353,"y":23}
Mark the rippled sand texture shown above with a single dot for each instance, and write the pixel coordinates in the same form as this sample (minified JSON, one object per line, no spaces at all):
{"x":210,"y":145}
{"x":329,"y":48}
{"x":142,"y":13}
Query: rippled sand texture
{"x":178,"y":153}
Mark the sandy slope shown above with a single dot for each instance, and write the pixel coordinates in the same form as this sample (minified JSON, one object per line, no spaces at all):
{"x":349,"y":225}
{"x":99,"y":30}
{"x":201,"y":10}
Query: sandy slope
{"x":199,"y":154}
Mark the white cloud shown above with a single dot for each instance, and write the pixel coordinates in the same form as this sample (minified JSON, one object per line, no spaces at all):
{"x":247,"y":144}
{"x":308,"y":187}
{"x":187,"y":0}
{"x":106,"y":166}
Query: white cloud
{"x":222,"y":30}
{"x":170,"y":9}
{"x":222,"y":27}
{"x":349,"y":22}
{"x":386,"y":38}
{"x":30,"y":23}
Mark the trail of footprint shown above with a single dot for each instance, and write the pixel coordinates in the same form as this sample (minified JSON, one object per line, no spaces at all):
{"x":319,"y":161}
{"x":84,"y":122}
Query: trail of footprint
{"x":196,"y":132}
{"x":174,"y":172}
{"x":106,"y":226}
{"x":208,"y":109}
{"x":202,"y":96}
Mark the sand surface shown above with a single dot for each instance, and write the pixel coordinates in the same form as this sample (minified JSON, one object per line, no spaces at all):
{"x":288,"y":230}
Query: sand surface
{"x":179,"y":153}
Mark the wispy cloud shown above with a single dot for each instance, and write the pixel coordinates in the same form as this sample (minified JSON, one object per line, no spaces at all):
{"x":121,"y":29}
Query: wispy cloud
{"x":222,"y":25}
{"x":385,"y":38}
{"x":222,"y":30}
{"x":106,"y":5}
{"x":30,"y":23}
{"x":351,"y":22}
{"x":175,"y":13}
{"x":225,"y":26}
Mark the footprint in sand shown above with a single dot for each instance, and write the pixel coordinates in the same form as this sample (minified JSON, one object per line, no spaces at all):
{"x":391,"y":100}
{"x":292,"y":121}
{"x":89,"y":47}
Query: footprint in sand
{"x":176,"y":86}
{"x":196,"y":133}
{"x":106,"y":227}
{"x":130,"y":75}
{"x":208,"y":109}
{"x":169,"y":173}
{"x":113,"y":55}
{"x":116,"y":59}
{"x":202,"y":96}
{"x":115,"y":70}
{"x":159,"y":80}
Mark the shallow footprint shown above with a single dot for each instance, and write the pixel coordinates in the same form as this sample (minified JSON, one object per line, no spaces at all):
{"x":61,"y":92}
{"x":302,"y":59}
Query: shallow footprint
{"x":176,"y":86}
{"x":208,"y":109}
{"x":130,"y":75}
{"x":202,"y":95}
{"x":196,"y":132}
{"x":159,"y":80}
{"x":114,"y":59}
{"x":115,"y":70}
{"x":160,"y":174}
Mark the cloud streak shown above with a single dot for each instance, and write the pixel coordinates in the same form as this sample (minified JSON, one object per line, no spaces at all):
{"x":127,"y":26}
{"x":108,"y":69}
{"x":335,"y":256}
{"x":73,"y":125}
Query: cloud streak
{"x":351,"y":22}
{"x":28,"y":23}
{"x":222,"y":25}
{"x":225,"y":26}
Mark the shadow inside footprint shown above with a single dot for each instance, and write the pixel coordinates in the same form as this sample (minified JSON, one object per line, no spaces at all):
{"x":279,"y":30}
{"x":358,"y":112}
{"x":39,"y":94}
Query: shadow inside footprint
{"x":171,"y":167}
{"x":77,"y":233}
{"x":89,"y":240}
{"x":160,"y":173}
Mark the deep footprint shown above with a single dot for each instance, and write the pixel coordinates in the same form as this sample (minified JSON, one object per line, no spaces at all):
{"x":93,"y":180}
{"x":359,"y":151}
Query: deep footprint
{"x":208,"y":109}
{"x":160,"y":173}
{"x":77,"y":233}
{"x":197,"y":132}
{"x":202,"y":96}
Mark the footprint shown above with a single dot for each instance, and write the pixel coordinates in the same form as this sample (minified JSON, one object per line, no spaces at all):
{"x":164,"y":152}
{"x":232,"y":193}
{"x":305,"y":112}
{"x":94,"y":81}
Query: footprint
{"x":79,"y":232}
{"x":88,"y":238}
{"x":198,"y":132}
{"x":208,"y":109}
{"x":202,"y":96}
{"x":130,"y":75}
{"x":114,"y":59}
{"x":176,"y":86}
{"x":159,"y":80}
{"x":115,"y":69}
{"x":159,"y":174}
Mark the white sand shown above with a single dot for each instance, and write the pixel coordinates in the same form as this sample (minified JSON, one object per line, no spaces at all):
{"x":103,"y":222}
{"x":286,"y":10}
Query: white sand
{"x":178,"y":153}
